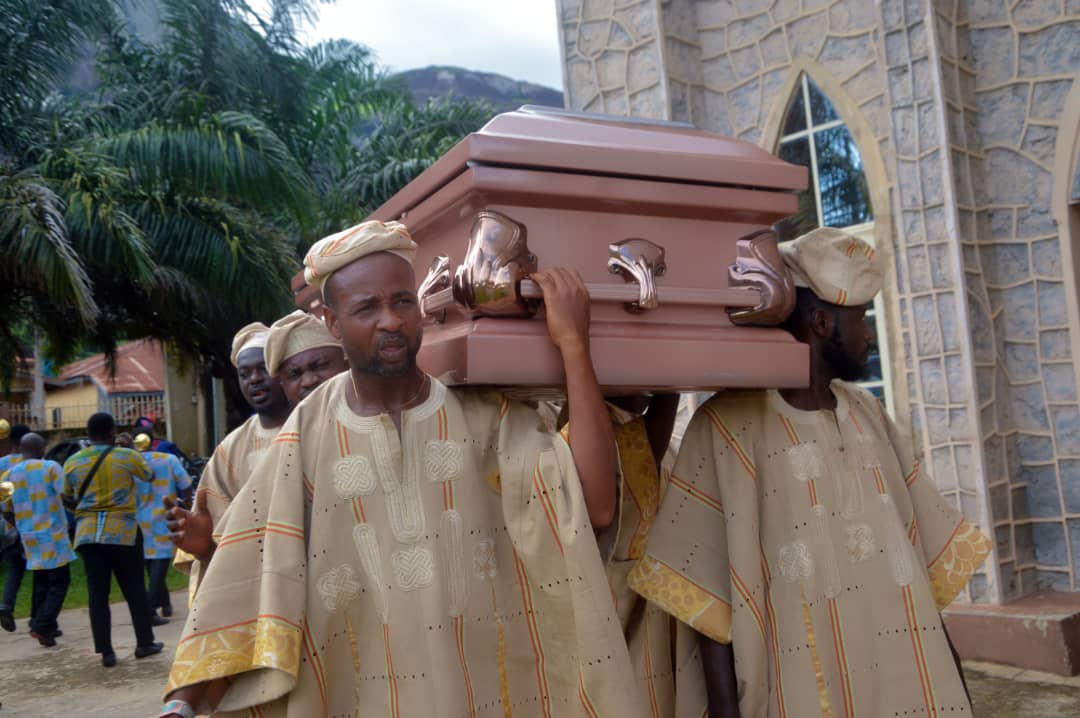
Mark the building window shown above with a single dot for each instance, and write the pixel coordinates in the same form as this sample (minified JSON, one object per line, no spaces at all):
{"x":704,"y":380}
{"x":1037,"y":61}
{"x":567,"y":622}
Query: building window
{"x":814,"y":136}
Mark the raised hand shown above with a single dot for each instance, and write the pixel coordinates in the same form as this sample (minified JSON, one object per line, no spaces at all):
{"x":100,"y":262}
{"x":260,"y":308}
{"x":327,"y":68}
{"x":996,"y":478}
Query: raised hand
{"x":191,"y":531}
{"x":566,"y":304}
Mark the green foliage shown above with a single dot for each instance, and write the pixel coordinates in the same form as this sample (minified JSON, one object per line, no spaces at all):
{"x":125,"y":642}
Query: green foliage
{"x":175,"y":201}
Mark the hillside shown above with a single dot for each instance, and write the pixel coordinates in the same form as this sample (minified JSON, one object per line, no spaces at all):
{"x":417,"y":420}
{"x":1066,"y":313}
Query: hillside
{"x":502,"y":92}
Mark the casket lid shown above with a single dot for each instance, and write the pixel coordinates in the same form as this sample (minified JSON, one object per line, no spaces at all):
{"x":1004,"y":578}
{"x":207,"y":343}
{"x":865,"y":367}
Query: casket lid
{"x":546,"y":138}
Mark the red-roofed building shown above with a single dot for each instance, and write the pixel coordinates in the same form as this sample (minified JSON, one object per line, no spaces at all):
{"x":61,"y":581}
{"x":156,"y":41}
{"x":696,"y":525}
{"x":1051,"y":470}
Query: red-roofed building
{"x":136,"y":387}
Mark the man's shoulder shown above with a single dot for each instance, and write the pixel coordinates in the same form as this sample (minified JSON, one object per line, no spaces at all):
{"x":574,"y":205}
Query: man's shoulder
{"x":736,"y":402}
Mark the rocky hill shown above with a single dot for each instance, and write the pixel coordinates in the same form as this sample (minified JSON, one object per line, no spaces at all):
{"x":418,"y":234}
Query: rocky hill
{"x":502,"y":92}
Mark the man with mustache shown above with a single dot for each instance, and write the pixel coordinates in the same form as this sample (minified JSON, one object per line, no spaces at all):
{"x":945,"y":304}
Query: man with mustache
{"x":230,"y":466}
{"x":407,"y":547}
{"x":799,"y":538}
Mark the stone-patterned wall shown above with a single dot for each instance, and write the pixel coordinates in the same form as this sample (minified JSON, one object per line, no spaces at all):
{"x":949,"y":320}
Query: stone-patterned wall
{"x":1017,"y":63}
{"x":963,"y":100}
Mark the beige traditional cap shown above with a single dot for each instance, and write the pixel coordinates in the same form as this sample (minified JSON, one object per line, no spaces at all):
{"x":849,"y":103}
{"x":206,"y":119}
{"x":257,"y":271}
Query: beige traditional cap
{"x":838,"y":267}
{"x":295,"y":333}
{"x":5,"y":429}
{"x":253,"y":336}
{"x":142,"y":442}
{"x":334,"y":252}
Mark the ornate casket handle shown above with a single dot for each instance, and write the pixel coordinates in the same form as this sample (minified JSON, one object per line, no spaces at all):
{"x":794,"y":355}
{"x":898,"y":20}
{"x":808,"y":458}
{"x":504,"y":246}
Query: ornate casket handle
{"x":758,"y":265}
{"x":640,"y":261}
{"x":488,"y":282}
{"x":436,"y":291}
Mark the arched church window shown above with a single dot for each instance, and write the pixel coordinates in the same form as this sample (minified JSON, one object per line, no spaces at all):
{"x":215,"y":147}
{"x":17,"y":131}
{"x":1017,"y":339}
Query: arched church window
{"x":813,"y":135}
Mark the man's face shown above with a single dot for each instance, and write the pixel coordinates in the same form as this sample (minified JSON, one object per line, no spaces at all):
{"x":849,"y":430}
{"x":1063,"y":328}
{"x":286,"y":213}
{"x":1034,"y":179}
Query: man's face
{"x":260,"y":390}
{"x":302,"y":373}
{"x":373,"y":311}
{"x":849,"y":345}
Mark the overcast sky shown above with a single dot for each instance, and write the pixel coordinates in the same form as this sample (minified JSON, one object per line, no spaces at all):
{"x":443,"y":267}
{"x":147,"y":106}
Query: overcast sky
{"x":516,"y":38}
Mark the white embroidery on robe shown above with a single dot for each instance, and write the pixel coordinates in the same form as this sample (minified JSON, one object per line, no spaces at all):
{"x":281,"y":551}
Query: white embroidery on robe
{"x":400,"y":488}
{"x":806,"y":461}
{"x":484,"y":563}
{"x":860,"y":543}
{"x":353,"y":477}
{"x":796,"y":563}
{"x":414,"y":567}
{"x":338,"y":587}
{"x":830,"y":570}
{"x":444,"y":460}
{"x":897,"y":547}
{"x":451,"y":545}
{"x":367,"y":546}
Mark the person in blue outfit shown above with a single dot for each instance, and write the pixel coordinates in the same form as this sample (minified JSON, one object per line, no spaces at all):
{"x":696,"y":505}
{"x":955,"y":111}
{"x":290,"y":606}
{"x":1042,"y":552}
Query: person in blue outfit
{"x":14,"y":554}
{"x":170,"y":480}
{"x":37,"y":487}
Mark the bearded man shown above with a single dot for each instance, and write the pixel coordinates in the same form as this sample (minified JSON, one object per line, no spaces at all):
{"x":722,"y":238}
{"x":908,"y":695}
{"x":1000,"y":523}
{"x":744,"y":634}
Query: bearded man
{"x":800,"y":539}
{"x":405,"y":545}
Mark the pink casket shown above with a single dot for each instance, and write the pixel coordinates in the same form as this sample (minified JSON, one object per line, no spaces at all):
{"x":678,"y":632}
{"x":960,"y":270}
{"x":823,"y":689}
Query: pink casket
{"x":668,"y":226}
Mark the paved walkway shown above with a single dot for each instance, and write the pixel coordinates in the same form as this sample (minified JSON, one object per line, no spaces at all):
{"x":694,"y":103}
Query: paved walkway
{"x":69,"y":679}
{"x":38,"y":682}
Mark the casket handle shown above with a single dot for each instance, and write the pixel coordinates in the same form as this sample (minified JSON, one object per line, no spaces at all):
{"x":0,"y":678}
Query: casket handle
{"x":640,"y":261}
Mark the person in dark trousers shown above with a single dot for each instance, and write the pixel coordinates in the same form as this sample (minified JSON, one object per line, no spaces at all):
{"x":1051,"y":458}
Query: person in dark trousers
{"x":37,"y":486}
{"x":13,"y":554}
{"x":100,"y":483}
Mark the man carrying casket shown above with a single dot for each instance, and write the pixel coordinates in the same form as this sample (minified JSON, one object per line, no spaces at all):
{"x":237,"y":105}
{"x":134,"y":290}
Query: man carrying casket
{"x":800,"y":539}
{"x":404,"y":544}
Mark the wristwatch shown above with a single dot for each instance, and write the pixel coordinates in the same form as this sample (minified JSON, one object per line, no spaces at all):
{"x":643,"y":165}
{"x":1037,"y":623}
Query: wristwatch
{"x":177,"y":708}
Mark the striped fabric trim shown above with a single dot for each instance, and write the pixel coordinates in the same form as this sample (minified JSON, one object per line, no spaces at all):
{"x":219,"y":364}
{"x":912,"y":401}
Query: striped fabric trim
{"x":534,"y":636}
{"x":391,"y":683}
{"x":841,"y":658}
{"x":744,"y":591}
{"x":793,"y":435}
{"x":697,"y":494}
{"x":459,"y":636}
{"x":542,"y":495}
{"x":648,"y":670}
{"x":729,"y":438}
{"x":913,"y":475}
{"x":774,"y":647}
{"x":929,"y":697}
{"x":586,"y":702}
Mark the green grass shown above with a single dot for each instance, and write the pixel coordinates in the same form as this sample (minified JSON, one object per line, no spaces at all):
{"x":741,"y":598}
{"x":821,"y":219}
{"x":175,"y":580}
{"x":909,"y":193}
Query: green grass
{"x":76,"y":595}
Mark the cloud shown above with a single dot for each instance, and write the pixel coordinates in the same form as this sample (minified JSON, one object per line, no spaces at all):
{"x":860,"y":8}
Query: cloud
{"x":517,"y":38}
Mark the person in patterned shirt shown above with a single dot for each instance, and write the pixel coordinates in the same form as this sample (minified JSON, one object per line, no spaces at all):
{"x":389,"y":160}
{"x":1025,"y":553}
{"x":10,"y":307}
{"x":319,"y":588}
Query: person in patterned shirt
{"x":106,"y":533}
{"x":170,"y":481}
{"x":14,"y":555}
{"x":39,"y":516}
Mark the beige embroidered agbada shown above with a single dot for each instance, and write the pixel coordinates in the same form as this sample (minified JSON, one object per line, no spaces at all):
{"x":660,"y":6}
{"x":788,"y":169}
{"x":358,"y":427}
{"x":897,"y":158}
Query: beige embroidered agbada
{"x":452,"y":572}
{"x":226,"y":471}
{"x":812,"y":543}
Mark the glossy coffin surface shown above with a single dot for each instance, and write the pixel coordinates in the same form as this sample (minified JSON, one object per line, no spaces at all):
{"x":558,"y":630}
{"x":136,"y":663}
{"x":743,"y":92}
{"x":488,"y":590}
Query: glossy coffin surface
{"x":667,"y":225}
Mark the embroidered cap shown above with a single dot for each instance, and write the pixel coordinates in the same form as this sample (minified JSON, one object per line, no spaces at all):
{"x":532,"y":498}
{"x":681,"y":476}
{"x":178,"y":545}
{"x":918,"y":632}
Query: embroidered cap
{"x":838,"y":267}
{"x":295,"y":333}
{"x":338,"y":250}
{"x":253,"y":336}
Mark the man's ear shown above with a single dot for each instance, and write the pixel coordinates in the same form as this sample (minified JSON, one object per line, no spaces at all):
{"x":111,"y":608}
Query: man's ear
{"x":330,"y":317}
{"x":822,"y":322}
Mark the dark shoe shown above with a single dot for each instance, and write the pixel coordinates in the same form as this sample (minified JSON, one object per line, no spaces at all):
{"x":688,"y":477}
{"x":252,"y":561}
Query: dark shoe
{"x":144,"y":651}
{"x":47,"y":641}
{"x":108,"y":660}
{"x":156,"y":620}
{"x":7,"y":621}
{"x":166,"y":611}
{"x":57,"y":633}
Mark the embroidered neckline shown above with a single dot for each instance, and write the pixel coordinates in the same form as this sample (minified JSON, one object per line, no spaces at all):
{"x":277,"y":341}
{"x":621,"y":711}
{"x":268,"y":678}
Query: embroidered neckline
{"x":807,"y":417}
{"x":423,"y":410}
